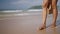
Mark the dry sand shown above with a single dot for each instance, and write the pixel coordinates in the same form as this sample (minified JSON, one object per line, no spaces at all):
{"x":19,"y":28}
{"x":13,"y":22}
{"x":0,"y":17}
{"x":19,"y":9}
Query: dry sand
{"x":27,"y":24}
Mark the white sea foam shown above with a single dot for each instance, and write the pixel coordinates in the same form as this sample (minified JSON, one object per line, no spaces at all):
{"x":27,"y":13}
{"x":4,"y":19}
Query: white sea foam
{"x":30,"y":10}
{"x":34,"y":10}
{"x":24,"y":12}
{"x":7,"y":11}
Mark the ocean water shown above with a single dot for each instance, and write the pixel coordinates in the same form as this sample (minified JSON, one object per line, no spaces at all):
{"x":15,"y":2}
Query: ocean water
{"x":34,"y":8}
{"x":22,"y":12}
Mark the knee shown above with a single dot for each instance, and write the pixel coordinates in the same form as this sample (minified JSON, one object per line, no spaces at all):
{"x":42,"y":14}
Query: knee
{"x":54,"y":6}
{"x":44,"y":5}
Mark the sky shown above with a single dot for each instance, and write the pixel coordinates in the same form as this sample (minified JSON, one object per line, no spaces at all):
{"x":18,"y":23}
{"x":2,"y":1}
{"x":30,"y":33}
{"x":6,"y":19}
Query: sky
{"x":20,"y":4}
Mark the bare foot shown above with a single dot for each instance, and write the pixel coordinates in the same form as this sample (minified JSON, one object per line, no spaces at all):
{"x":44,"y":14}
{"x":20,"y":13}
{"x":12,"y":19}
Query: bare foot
{"x":43,"y":27}
{"x":53,"y":25}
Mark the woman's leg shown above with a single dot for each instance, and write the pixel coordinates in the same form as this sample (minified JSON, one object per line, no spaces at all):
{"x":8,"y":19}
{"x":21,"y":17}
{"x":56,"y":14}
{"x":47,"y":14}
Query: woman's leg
{"x":55,"y":12}
{"x":44,"y":14}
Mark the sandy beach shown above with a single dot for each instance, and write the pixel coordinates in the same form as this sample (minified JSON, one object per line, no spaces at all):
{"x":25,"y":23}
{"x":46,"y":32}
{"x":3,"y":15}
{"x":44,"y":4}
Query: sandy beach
{"x":27,"y":23}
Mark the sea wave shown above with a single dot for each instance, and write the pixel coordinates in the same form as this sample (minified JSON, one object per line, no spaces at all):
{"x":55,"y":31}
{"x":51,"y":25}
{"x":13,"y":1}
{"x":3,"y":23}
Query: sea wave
{"x":21,"y":12}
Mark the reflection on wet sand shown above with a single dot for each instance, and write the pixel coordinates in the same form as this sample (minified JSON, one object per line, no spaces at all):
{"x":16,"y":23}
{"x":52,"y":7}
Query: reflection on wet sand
{"x":50,"y":30}
{"x":53,"y":31}
{"x":42,"y":31}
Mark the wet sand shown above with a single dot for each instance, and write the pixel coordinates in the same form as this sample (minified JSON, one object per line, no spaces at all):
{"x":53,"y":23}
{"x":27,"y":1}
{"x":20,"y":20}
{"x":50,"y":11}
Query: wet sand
{"x":27,"y":24}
